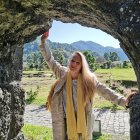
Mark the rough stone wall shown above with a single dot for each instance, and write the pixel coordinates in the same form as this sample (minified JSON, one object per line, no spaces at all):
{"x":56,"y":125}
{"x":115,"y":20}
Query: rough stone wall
{"x":11,"y":93}
{"x":11,"y":111}
{"x":21,"y":21}
{"x":129,"y":30}
{"x":135,"y":117}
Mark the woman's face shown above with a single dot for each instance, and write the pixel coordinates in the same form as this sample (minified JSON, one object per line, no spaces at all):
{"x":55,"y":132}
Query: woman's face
{"x":75,"y":64}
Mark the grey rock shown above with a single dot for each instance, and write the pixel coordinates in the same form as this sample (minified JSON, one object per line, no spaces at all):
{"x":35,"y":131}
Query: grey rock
{"x":22,"y":21}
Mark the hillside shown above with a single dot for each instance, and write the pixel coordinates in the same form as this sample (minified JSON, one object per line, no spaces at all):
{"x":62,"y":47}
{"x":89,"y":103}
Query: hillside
{"x":95,"y":47}
{"x":98,"y":49}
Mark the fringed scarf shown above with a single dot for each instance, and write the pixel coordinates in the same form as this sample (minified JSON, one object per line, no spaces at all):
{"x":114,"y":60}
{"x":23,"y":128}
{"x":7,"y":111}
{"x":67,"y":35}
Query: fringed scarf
{"x":75,"y":127}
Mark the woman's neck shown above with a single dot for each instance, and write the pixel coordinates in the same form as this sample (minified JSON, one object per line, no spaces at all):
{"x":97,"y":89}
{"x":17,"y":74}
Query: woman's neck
{"x":74,"y":76}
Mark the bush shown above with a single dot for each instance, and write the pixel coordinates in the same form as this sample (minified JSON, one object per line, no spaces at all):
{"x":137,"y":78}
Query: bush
{"x":31,"y":95}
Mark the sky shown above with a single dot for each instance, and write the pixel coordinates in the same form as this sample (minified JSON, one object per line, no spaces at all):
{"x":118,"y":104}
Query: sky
{"x":72,"y":32}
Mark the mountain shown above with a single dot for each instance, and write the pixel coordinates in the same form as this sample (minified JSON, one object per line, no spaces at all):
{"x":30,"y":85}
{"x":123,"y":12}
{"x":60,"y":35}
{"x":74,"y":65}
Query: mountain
{"x":79,"y":45}
{"x":97,"y":48}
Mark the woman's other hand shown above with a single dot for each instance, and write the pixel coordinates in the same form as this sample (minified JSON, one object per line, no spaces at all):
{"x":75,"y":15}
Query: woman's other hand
{"x":44,"y":37}
{"x":129,"y":98}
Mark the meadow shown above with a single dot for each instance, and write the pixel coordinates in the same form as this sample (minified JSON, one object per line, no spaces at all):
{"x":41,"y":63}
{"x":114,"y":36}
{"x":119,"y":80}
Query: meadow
{"x":38,"y":84}
{"x":41,"y":81}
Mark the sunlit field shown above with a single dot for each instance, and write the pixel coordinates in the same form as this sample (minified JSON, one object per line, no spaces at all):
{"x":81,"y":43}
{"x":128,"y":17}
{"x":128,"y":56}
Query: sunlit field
{"x":116,"y":74}
{"x":43,"y":82}
{"x":33,"y":132}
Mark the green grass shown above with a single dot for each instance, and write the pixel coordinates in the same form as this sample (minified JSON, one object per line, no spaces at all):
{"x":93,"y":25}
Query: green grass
{"x":40,"y":100}
{"x":44,"y":84}
{"x":35,"y":72}
{"x":43,"y":133}
{"x":33,"y":132}
{"x":100,"y":102}
{"x":117,"y":74}
{"x":102,"y":137}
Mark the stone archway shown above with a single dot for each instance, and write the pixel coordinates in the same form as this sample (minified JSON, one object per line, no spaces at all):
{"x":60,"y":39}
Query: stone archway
{"x":21,"y":21}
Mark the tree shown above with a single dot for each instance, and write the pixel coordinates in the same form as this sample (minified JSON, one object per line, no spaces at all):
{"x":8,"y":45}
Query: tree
{"x":35,"y":60}
{"x":106,"y":65}
{"x":59,"y":56}
{"x":112,"y":56}
{"x":106,"y":56}
{"x":125,"y":64}
{"x":90,"y":59}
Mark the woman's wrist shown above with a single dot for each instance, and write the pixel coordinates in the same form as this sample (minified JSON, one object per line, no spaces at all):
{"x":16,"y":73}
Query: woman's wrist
{"x":127,"y":104}
{"x":42,"y":42}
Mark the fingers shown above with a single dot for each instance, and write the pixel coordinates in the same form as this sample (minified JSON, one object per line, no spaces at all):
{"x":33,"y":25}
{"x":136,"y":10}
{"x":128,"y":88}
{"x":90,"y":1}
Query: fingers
{"x":129,"y":98}
{"x":131,"y":95}
{"x":44,"y":37}
{"x":46,"y":34}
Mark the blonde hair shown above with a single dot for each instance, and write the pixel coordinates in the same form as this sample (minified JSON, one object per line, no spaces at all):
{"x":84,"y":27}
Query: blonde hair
{"x":49,"y":98}
{"x":88,"y":79}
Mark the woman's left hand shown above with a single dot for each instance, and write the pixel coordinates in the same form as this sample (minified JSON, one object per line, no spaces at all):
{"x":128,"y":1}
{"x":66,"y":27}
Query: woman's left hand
{"x":129,"y":98}
{"x":44,"y":37}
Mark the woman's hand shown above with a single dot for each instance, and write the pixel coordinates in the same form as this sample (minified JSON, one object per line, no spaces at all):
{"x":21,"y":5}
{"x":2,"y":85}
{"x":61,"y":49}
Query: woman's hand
{"x":44,"y":37}
{"x":129,"y":98}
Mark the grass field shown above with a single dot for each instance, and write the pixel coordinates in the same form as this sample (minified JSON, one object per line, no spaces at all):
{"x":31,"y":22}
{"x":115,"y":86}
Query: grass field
{"x":117,"y":74}
{"x":43,"y":84}
{"x":33,"y":132}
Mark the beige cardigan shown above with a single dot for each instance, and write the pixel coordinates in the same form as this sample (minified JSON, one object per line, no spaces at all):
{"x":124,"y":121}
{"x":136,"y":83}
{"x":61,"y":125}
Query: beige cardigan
{"x":57,"y":111}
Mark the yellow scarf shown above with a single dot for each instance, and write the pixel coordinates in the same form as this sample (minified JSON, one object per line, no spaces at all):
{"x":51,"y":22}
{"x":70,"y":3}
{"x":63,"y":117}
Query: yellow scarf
{"x":75,"y":127}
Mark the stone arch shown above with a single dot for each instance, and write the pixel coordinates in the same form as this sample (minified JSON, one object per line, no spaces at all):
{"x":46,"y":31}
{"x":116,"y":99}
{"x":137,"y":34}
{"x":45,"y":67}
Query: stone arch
{"x":22,"y":21}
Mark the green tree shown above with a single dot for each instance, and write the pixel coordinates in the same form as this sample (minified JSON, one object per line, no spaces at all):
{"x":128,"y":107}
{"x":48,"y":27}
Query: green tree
{"x":114,"y":56}
{"x":35,"y":60}
{"x":106,"y":56}
{"x":90,"y":59}
{"x":111,"y":56}
{"x":106,"y":65}
{"x":59,"y":56}
{"x":125,"y":64}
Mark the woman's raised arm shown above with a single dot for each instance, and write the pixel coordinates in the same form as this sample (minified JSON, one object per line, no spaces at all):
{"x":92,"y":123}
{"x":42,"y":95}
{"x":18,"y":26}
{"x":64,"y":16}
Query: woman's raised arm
{"x":56,"y":67}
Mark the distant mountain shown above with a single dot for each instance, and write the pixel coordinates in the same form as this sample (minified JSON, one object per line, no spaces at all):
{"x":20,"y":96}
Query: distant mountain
{"x":64,"y":46}
{"x":87,"y":45}
{"x":96,"y":48}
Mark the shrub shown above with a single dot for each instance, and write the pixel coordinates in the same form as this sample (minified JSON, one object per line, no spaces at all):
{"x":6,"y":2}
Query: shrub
{"x":31,"y":95}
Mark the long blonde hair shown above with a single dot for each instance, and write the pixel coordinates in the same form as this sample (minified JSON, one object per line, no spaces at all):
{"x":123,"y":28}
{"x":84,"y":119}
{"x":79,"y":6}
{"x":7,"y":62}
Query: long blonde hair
{"x":88,"y":79}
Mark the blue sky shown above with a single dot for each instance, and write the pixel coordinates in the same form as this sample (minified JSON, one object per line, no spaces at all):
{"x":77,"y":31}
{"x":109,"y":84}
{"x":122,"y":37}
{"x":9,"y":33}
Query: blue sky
{"x":69,"y":33}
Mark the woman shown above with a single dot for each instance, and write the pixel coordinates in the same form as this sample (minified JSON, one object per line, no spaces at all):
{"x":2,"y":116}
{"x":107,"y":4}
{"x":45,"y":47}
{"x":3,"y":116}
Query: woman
{"x":71,"y":97}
